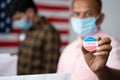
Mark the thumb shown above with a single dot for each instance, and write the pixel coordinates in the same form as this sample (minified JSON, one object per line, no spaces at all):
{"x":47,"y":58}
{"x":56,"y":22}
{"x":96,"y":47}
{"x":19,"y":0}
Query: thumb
{"x":98,"y":38}
{"x":83,"y":49}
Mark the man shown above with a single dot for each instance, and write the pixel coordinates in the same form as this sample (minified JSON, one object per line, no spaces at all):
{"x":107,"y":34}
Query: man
{"x":100,"y":64}
{"x":39,"y":41}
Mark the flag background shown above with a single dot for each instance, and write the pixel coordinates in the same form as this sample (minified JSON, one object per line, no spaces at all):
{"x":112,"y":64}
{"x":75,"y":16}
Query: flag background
{"x":55,"y":11}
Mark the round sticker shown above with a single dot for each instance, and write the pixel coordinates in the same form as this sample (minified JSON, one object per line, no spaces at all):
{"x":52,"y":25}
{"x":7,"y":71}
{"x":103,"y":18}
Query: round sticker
{"x":90,"y":43}
{"x":22,"y":37}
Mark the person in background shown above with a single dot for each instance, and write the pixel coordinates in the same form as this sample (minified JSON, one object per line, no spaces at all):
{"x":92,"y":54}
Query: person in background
{"x":100,"y":64}
{"x":39,"y":42}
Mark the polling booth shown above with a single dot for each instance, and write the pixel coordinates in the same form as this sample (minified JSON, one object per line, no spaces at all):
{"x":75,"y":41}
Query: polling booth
{"x":38,"y":77}
{"x":8,"y":70}
{"x":8,"y":64}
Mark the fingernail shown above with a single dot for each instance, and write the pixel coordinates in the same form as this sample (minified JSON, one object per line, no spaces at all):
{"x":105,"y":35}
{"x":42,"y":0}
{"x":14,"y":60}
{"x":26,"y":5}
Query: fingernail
{"x":97,"y":48}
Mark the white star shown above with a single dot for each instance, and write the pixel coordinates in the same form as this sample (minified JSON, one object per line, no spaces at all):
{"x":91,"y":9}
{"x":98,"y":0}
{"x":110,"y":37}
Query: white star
{"x":7,"y":30}
{"x":2,"y":24}
{"x":2,"y":5}
{"x":8,"y":1}
{"x":2,"y":15}
{"x":8,"y":20}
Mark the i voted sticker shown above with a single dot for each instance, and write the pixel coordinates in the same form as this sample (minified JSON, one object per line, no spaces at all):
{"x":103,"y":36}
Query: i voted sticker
{"x":22,"y":37}
{"x":90,"y":43}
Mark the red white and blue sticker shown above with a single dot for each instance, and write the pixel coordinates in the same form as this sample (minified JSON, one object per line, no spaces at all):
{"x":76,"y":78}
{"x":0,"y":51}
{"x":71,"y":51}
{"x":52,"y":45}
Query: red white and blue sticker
{"x":90,"y":43}
{"x":22,"y":37}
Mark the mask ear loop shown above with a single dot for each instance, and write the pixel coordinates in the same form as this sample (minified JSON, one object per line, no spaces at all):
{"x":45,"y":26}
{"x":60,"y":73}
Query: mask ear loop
{"x":26,"y":18}
{"x":98,"y":25}
{"x":97,"y":17}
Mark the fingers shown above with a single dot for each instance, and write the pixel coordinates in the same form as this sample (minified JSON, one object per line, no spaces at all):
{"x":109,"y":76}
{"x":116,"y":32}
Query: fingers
{"x":102,"y":53}
{"x":104,"y":48}
{"x":104,"y":41}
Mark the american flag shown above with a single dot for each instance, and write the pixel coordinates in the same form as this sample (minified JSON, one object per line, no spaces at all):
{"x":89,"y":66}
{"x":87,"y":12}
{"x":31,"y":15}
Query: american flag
{"x":56,"y":12}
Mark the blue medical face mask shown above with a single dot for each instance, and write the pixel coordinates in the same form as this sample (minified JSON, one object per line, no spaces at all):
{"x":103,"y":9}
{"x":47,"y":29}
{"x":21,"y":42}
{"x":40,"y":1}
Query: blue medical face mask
{"x":84,"y":27}
{"x":23,"y":24}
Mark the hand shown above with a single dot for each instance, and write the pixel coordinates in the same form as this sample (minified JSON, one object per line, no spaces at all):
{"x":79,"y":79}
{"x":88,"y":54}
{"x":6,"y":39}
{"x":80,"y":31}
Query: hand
{"x":97,"y":59}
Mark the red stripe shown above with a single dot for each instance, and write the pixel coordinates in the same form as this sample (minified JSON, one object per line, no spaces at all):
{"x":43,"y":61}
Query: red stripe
{"x":52,"y":7}
{"x":90,"y":48}
{"x":63,"y":32}
{"x":8,"y":44}
{"x":15,"y":44}
{"x":64,"y":43}
{"x":57,"y":20}
{"x":16,"y":31}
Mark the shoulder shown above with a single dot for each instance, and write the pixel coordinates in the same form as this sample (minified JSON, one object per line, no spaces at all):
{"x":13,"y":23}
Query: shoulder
{"x":114,"y":57}
{"x":47,"y":25}
{"x":46,"y":28}
{"x":71,"y":47}
{"x":49,"y":28}
{"x":114,"y":40}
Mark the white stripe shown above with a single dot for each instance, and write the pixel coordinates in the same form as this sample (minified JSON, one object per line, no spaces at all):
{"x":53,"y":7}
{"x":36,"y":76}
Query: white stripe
{"x":55,"y":14}
{"x":53,"y":2}
{"x":8,"y":37}
{"x":15,"y":49}
{"x":61,"y":26}
{"x":13,"y":37}
{"x":5,"y":55}
{"x":62,"y":48}
{"x":94,"y":43}
{"x":8,"y":49}
{"x":64,"y":38}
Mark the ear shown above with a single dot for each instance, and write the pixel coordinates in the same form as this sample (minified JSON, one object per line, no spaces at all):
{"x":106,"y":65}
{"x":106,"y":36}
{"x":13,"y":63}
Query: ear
{"x":100,"y":19}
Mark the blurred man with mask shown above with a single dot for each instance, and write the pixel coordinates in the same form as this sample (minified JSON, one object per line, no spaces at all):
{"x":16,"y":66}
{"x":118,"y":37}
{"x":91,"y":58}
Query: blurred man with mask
{"x":39,"y":42}
{"x":101,"y":64}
